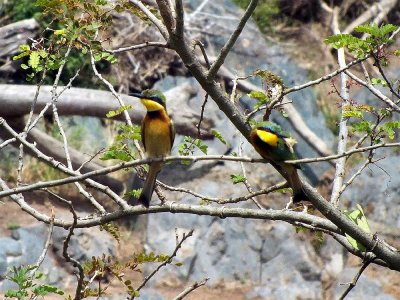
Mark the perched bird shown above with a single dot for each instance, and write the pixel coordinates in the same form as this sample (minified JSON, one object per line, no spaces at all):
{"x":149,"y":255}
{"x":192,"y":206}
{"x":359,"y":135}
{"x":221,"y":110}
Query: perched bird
{"x":158,"y":135}
{"x":276,"y":145}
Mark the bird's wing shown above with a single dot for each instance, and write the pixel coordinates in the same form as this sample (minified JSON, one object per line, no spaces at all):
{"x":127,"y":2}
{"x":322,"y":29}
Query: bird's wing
{"x":172,"y":129}
{"x":290,"y":142}
{"x":143,"y":129}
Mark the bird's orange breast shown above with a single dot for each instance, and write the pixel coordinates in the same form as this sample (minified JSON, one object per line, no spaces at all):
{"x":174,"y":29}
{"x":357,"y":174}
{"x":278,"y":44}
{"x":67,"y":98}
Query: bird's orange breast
{"x":157,"y":136}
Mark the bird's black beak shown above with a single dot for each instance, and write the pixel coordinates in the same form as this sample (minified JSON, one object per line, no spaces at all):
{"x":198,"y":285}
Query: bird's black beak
{"x":137,"y":95}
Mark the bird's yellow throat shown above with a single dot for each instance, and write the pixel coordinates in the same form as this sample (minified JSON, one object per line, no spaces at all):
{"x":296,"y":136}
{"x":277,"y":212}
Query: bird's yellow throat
{"x":268,"y":137}
{"x":151,"y":105}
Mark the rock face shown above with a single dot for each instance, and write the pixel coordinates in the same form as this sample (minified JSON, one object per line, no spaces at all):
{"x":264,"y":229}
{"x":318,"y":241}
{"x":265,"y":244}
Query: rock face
{"x":26,"y":245}
{"x":279,"y":262}
{"x":269,"y":254}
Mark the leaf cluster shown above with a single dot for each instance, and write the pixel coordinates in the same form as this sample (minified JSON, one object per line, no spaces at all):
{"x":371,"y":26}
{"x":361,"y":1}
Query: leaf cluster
{"x":26,"y":279}
{"x":189,"y":145}
{"x":377,"y":130}
{"x":377,"y":36}
{"x":119,"y":149}
{"x":107,"y":267}
{"x":112,"y":229}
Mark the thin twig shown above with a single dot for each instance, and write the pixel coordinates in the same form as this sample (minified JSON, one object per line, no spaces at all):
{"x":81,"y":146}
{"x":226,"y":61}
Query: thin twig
{"x":203,"y":106}
{"x":68,"y":258}
{"x":323,"y":78}
{"x":389,"y":84}
{"x":266,"y":191}
{"x":353,"y":283}
{"x":152,"y":18}
{"x":246,"y":182}
{"x":117,"y":96}
{"x":138,"y":46}
{"x":374,"y":91}
{"x":81,"y":190}
{"x":47,"y":106}
{"x":191,"y":288}
{"x":167,"y":261}
{"x":46,"y":244}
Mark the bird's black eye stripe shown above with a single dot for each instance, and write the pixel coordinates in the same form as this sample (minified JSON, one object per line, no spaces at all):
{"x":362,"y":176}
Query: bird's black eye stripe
{"x":156,"y":99}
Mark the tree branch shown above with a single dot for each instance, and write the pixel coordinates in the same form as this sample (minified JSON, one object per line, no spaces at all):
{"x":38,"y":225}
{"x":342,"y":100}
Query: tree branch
{"x":353,"y":283}
{"x":343,"y":130}
{"x":231,"y":41}
{"x":167,"y":261}
{"x":191,"y":288}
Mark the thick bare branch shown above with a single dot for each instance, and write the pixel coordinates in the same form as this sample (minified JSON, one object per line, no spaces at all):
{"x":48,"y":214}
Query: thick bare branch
{"x":343,"y":130}
{"x":18,"y":99}
{"x":231,"y":41}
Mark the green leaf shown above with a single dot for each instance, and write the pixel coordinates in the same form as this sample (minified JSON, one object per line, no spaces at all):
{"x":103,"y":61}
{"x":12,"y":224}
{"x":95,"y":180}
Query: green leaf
{"x":353,"y":113}
{"x":133,"y":193}
{"x":34,"y":59}
{"x":357,"y":216}
{"x":390,"y":127}
{"x":23,"y":54}
{"x":24,"y":47}
{"x":371,"y":29}
{"x":379,"y":81}
{"x":42,"y":53}
{"x":237,"y":178}
{"x":112,"y":229}
{"x":128,"y":132}
{"x":218,"y":135}
{"x":363,"y":126}
{"x":388,"y":28}
{"x":59,"y":31}
{"x":43,"y":290}
{"x":113,"y":113}
{"x":258,"y":95}
{"x":189,"y":144}
{"x":117,"y":151}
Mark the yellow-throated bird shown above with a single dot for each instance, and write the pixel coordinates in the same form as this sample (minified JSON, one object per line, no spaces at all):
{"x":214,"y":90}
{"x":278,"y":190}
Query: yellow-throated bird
{"x":158,"y":135}
{"x":276,"y":145}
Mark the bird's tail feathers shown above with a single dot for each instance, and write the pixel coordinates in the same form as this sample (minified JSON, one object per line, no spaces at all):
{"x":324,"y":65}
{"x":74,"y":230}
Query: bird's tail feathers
{"x":291,"y":175}
{"x":297,"y":186}
{"x":149,"y":184}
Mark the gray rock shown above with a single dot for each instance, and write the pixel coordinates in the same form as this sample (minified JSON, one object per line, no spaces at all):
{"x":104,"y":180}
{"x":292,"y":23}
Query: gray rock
{"x":377,"y":189}
{"x":366,"y":288}
{"x":26,"y":245}
{"x":150,"y":294}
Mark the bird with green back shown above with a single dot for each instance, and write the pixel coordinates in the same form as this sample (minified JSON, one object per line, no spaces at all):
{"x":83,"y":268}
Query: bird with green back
{"x":158,"y":135}
{"x":276,"y":146}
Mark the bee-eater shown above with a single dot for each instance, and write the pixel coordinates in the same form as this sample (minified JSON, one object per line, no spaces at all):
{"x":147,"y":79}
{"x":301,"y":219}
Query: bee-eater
{"x":158,"y":135}
{"x":276,"y":146}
